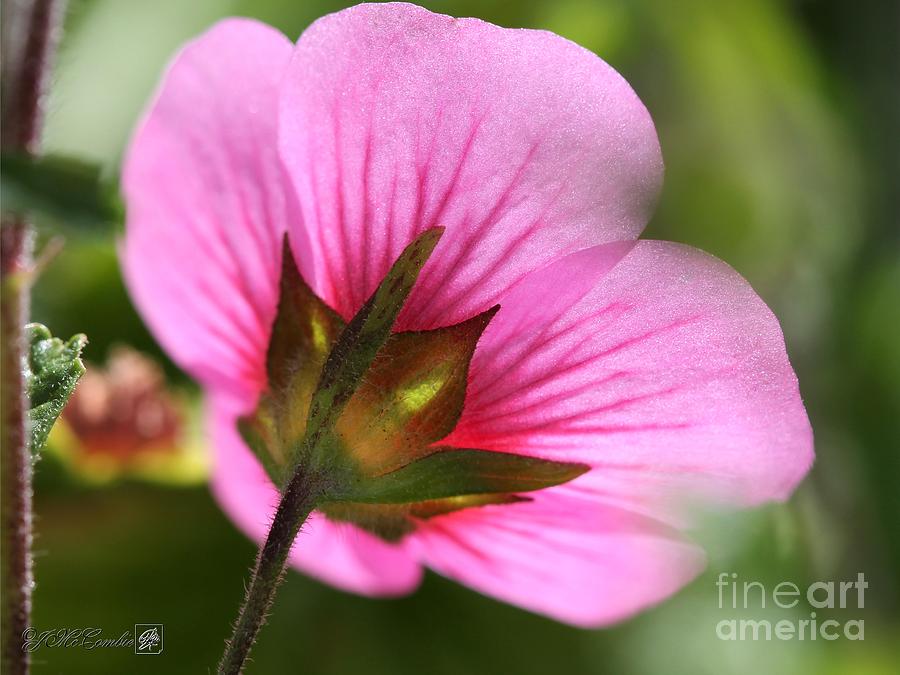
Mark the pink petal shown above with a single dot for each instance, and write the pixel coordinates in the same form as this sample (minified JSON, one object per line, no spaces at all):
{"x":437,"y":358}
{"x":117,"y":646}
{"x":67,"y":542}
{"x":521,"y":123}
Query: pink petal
{"x":667,"y":366}
{"x":524,"y":145}
{"x":339,"y":554}
{"x":208,"y":201}
{"x":569,"y":557}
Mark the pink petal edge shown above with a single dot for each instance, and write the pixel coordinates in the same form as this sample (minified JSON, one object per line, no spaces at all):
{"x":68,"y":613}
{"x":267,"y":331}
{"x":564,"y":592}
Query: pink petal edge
{"x":207,"y":205}
{"x":568,"y":556}
{"x":525,"y":146}
{"x":666,"y":364}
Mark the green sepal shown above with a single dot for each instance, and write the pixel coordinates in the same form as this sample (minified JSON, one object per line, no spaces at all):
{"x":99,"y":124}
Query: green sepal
{"x":412,"y":396}
{"x":366,"y":333}
{"x":361,"y":409}
{"x":392,"y":521}
{"x":303,"y":334}
{"x":315,"y":363}
{"x":452,"y":472}
{"x":52,"y":369}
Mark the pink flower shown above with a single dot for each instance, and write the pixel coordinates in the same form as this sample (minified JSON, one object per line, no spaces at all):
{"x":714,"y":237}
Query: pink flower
{"x":653,"y":362}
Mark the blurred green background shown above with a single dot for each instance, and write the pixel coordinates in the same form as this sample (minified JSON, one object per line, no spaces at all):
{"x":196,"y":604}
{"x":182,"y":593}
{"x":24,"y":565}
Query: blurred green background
{"x":779,"y":125}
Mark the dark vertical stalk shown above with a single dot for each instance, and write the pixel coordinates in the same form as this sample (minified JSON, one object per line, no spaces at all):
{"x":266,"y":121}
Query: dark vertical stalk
{"x":298,"y":500}
{"x":30,"y":31}
{"x":15,"y":460}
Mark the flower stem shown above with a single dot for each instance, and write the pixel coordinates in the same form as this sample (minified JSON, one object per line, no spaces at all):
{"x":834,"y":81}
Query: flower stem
{"x":30,"y":32}
{"x":299,"y":498}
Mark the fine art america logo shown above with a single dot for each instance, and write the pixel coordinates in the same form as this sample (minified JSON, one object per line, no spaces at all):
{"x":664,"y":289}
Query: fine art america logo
{"x":820,"y":595}
{"x":147,"y":638}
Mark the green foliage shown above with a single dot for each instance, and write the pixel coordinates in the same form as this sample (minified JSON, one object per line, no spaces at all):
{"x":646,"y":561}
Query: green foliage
{"x":52,"y":369}
{"x":59,"y":191}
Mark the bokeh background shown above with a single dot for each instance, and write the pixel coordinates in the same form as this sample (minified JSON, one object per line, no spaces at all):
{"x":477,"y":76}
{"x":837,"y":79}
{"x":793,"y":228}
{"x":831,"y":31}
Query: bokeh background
{"x":779,"y":124}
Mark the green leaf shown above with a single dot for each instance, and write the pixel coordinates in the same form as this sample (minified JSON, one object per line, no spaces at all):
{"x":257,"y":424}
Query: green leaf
{"x":52,"y":369}
{"x":58,"y":191}
{"x":360,"y":341}
{"x":451,"y":472}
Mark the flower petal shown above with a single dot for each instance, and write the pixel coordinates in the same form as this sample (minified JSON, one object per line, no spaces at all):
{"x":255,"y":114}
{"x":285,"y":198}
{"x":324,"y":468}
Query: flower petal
{"x":572,"y":558}
{"x":668,"y":366}
{"x":523,"y":144}
{"x":208,"y":201}
{"x":337,"y":553}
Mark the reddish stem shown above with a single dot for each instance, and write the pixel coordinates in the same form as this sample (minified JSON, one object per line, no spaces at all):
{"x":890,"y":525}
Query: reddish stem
{"x":30,"y":31}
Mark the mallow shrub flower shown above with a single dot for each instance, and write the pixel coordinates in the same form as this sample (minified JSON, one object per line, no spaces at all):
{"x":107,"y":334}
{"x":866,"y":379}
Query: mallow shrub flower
{"x":652,"y":363}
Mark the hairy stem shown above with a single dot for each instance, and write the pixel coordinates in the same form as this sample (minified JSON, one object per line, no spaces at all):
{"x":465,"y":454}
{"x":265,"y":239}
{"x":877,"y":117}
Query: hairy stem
{"x":350,"y":357}
{"x":15,"y":491}
{"x":298,"y":500}
{"x":30,"y":31}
